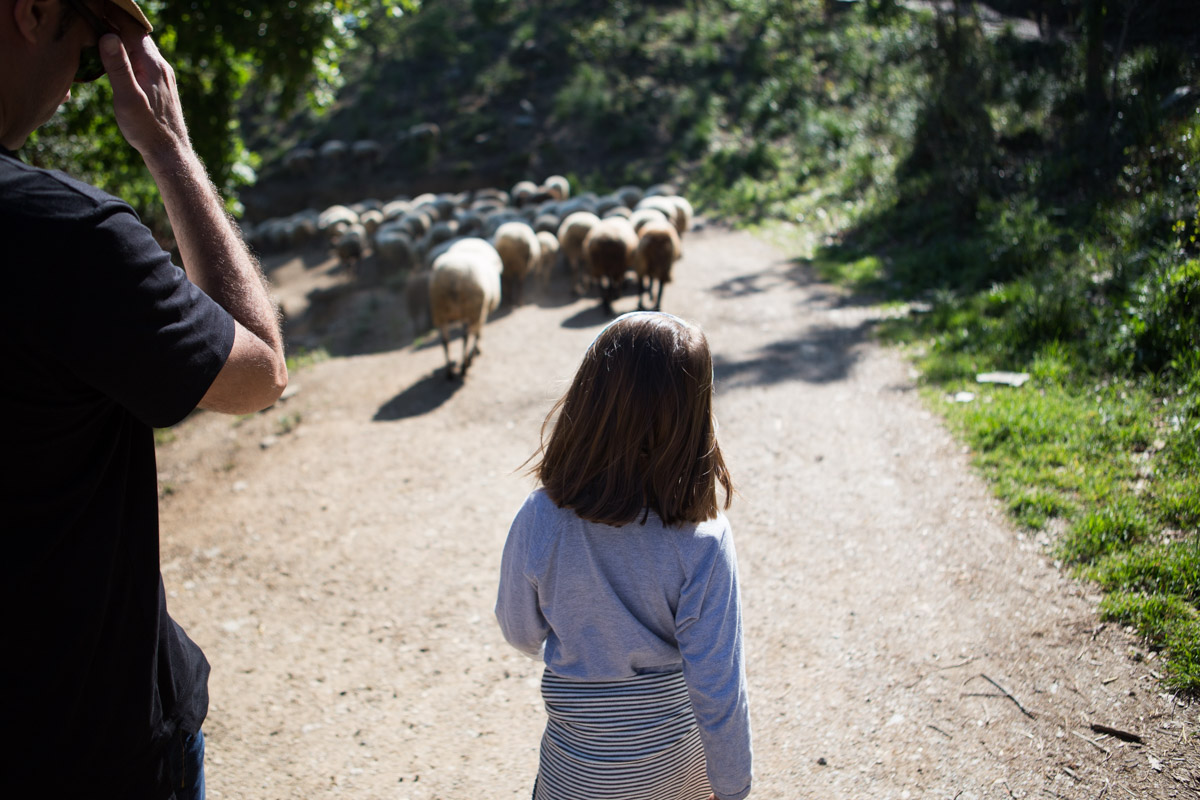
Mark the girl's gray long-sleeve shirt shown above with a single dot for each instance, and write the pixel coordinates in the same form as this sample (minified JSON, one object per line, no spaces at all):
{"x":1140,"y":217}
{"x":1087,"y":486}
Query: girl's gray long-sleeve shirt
{"x":602,"y":603}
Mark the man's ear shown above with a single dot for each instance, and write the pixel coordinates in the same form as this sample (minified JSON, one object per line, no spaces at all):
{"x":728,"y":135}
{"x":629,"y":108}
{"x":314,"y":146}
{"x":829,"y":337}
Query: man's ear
{"x":34,"y":17}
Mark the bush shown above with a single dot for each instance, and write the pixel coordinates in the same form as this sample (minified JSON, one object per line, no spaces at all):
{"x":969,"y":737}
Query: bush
{"x":1163,"y":319}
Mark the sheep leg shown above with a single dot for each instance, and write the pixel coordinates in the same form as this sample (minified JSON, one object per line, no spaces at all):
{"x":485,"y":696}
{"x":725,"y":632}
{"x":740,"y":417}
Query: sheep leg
{"x":576,"y":277}
{"x":658,"y":300}
{"x":469,"y":353}
{"x":609,"y":291}
{"x":445,"y":336}
{"x":642,"y":288}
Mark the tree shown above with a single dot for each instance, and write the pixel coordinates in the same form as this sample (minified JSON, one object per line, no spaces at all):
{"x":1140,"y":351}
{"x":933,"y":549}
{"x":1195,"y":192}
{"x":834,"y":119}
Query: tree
{"x":288,"y":52}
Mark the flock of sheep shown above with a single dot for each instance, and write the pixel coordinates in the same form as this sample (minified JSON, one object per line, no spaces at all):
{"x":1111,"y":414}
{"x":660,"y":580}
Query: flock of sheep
{"x":463,"y":253}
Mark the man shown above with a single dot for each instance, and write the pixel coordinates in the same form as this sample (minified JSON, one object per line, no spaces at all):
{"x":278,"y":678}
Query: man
{"x":103,"y":338}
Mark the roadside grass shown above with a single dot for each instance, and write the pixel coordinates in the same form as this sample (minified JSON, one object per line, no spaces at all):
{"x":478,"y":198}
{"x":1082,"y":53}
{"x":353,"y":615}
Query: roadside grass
{"x":1100,"y":457}
{"x":1104,"y":470}
{"x":303,"y":357}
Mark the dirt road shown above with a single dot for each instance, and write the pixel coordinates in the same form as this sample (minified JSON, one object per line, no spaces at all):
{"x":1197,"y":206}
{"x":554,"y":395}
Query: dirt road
{"x":336,"y":557}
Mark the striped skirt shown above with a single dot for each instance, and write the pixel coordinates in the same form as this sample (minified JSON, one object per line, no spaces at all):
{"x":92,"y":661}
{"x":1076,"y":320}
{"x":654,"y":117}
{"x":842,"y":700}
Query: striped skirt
{"x":633,"y":739}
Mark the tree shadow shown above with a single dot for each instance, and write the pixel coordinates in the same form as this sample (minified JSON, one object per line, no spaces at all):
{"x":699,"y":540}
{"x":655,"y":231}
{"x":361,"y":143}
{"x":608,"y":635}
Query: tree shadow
{"x":423,"y":397}
{"x":825,"y":354}
{"x":839,"y":325}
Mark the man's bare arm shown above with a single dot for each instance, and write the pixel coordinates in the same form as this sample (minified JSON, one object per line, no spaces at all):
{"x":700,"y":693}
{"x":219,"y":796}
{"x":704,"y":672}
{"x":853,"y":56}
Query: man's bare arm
{"x":149,"y":113}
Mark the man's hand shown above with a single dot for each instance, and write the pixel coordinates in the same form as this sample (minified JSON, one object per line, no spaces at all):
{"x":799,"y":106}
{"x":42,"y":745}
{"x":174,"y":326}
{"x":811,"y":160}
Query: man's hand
{"x":145,"y":95}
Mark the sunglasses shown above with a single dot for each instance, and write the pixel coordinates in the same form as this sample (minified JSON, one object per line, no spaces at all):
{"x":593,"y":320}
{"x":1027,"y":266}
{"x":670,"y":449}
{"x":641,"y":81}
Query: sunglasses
{"x":90,"y":65}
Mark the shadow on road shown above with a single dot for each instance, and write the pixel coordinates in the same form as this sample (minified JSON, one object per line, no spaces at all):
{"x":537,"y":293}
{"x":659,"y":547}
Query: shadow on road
{"x":825,"y":354}
{"x":422,"y":397}
{"x":590,"y":317}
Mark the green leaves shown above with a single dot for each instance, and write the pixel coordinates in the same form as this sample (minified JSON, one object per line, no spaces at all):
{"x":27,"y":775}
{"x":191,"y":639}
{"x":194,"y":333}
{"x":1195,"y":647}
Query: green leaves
{"x":284,"y":54}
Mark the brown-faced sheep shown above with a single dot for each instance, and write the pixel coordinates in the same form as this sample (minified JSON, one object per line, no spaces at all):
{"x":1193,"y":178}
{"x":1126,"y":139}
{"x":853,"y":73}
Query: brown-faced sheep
{"x":464,"y":287}
{"x":657,"y":251}
{"x":609,"y":248}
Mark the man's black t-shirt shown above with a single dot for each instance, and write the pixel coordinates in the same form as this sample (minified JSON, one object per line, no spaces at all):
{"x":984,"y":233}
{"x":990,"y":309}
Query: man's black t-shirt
{"x":102,"y":339}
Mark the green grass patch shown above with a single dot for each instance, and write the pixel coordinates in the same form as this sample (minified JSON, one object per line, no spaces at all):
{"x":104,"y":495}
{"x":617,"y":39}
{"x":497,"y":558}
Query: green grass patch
{"x":1170,"y":622}
{"x":858,"y":272}
{"x":304,"y":357}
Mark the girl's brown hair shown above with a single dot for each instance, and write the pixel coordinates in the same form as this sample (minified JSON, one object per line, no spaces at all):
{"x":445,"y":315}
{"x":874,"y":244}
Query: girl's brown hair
{"x":635,"y":431}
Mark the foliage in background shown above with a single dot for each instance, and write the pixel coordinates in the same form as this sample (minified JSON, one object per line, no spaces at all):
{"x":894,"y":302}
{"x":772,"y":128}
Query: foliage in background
{"x":291,"y":51}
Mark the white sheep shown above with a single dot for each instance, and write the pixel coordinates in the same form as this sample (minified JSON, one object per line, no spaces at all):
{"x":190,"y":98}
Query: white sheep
{"x":609,"y":247}
{"x":657,"y":251}
{"x":334,"y":220}
{"x":464,"y":287}
{"x":664,"y":204}
{"x":491,"y":194}
{"x":557,"y":187}
{"x":523,"y":192}
{"x":394,"y":209}
{"x":372,"y":220}
{"x":571,"y":233}
{"x":683,"y":213}
{"x":545,"y":265}
{"x":643,"y":215}
{"x":520,"y":251}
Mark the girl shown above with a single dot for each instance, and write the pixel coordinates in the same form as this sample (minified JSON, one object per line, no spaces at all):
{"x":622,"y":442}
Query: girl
{"x":620,"y":573}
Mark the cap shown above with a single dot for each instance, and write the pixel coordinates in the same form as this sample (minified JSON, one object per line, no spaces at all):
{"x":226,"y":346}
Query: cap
{"x":131,"y":8}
